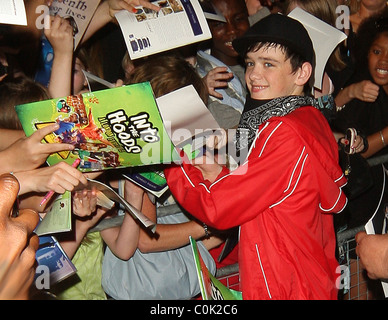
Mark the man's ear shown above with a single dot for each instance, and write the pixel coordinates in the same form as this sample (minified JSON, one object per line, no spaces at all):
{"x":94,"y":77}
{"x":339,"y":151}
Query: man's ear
{"x":305,"y":72}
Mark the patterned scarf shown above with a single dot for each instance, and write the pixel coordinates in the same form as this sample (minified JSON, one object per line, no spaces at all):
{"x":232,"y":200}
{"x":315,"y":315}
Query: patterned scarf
{"x":257,"y":112}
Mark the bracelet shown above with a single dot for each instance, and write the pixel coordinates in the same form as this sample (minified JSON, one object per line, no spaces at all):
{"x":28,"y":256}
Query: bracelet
{"x":382,"y":138}
{"x":207,"y":235}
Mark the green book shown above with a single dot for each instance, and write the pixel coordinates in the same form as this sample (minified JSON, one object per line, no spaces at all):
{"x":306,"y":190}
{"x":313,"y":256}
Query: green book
{"x":110,"y":129}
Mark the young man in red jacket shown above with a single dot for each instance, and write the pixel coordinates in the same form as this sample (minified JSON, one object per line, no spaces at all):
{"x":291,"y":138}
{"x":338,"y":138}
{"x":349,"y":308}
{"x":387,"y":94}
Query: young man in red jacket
{"x":284,"y":192}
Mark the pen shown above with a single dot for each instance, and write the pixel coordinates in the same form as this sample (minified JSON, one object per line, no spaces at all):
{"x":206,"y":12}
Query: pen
{"x":49,"y":194}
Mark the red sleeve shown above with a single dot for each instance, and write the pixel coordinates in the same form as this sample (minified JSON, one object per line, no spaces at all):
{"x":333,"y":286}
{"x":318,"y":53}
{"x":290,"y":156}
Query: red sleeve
{"x":272,"y":169}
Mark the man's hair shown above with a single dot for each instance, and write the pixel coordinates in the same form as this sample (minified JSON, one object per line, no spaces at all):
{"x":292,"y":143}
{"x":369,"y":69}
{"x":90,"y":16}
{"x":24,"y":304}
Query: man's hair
{"x":296,"y":60}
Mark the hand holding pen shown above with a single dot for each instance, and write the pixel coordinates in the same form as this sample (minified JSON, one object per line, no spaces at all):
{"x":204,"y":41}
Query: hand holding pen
{"x":67,"y":184}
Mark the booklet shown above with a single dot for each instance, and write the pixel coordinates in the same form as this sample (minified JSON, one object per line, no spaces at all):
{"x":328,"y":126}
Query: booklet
{"x":122,"y":127}
{"x":211,"y":287}
{"x":178,"y":23}
{"x":79,"y":13}
{"x":58,"y":218}
{"x":112,"y":128}
{"x":51,"y":255}
{"x":152,"y":180}
{"x":324,"y":37}
{"x":13,"y":12}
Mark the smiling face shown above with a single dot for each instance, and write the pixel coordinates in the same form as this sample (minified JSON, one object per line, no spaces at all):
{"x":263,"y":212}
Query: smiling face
{"x":378,"y":60}
{"x":269,"y":75}
{"x":236,"y":15}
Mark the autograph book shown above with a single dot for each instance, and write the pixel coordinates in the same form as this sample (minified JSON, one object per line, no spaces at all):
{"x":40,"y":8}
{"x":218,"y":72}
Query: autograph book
{"x":110,"y":129}
{"x":122,"y":127}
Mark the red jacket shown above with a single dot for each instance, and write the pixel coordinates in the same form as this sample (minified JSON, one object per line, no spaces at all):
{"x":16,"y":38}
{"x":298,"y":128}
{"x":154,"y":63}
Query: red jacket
{"x":282,"y":198}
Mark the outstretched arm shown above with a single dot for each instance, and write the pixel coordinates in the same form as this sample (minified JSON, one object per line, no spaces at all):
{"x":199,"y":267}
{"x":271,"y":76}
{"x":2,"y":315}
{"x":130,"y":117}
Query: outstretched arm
{"x":123,"y":240}
{"x":107,"y":9}
{"x":60,"y":35}
{"x":28,"y":153}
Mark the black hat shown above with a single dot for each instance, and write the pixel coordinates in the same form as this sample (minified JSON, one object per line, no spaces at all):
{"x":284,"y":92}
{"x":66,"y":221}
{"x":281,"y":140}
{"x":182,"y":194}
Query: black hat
{"x":281,"y":29}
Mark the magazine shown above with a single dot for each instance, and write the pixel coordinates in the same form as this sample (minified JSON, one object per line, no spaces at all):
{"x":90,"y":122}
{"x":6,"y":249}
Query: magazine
{"x":79,"y":13}
{"x":324,"y":37}
{"x":122,"y":127}
{"x":211,"y":287}
{"x":151,"y":180}
{"x":178,"y":23}
{"x":110,"y":129}
{"x":13,"y":12}
{"x":51,"y":257}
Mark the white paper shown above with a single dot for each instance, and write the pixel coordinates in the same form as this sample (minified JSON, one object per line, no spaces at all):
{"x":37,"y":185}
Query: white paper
{"x":178,"y":23}
{"x":13,"y":12}
{"x":183,"y":111}
{"x":79,"y":14}
{"x":324,"y":37}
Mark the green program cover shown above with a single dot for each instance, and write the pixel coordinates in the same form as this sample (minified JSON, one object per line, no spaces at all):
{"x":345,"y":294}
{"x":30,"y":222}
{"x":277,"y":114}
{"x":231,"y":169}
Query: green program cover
{"x":112,"y":128}
{"x":211,"y":287}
